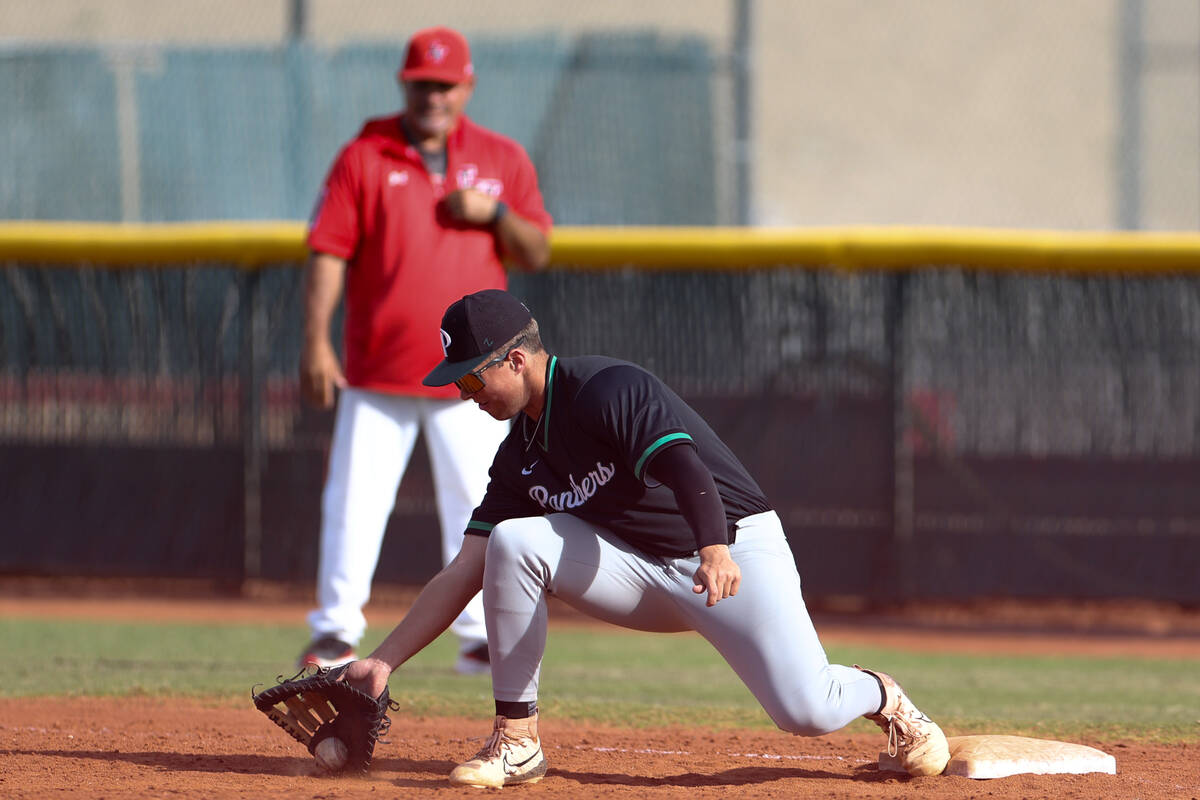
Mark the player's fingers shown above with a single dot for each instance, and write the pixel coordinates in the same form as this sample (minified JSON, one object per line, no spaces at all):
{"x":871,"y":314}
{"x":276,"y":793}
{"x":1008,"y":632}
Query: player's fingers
{"x":728,"y":586}
{"x":716,"y":591}
{"x":356,"y":671}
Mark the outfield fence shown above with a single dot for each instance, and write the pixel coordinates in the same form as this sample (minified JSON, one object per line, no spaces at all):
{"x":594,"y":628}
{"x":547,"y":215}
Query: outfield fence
{"x":934,"y":413}
{"x":161,"y":132}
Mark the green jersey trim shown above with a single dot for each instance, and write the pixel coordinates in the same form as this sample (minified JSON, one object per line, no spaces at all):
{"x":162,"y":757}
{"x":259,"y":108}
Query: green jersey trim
{"x":549,"y":403}
{"x":657,"y":445}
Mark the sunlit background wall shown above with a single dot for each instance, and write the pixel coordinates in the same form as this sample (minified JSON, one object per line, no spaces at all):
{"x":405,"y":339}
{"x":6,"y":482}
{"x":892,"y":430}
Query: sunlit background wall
{"x":1077,"y":115}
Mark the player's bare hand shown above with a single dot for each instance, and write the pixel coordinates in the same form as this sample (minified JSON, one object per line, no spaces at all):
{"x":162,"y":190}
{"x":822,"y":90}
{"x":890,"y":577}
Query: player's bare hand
{"x":471,"y":205}
{"x":718,"y":575}
{"x":370,"y":675}
{"x":320,"y":374}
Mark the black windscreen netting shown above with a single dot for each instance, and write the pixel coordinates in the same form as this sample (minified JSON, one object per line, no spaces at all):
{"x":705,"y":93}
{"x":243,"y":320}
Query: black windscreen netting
{"x":1000,"y":433}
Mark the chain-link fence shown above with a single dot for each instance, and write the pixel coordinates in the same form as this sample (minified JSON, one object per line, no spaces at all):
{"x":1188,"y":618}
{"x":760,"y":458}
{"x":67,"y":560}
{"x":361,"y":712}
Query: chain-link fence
{"x":160,"y":133}
{"x":926,"y":431}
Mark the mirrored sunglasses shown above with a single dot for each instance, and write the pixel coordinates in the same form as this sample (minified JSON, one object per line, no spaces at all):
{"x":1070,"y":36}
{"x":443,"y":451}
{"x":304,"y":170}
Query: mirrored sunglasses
{"x":473,"y":381}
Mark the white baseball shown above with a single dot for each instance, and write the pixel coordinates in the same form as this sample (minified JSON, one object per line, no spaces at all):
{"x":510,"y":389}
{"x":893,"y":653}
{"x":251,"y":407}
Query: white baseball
{"x":331,"y":754}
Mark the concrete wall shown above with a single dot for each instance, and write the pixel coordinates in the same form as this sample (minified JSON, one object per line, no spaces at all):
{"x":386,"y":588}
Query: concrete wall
{"x":939,"y":112}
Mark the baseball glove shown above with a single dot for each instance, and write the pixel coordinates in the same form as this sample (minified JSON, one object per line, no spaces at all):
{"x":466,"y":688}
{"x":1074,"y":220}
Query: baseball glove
{"x":313,"y":707}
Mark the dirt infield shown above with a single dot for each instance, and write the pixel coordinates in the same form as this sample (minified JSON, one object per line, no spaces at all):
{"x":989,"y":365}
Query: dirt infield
{"x":150,"y":747}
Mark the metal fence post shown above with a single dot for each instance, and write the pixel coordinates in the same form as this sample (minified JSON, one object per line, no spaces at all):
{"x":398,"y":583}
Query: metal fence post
{"x":253,"y":375}
{"x":899,"y":576}
{"x":743,"y":93}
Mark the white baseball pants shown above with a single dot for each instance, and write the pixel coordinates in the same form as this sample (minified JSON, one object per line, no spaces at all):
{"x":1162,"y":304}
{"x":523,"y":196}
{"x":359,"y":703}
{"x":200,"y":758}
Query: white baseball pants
{"x":373,"y":439}
{"x":764,"y":632}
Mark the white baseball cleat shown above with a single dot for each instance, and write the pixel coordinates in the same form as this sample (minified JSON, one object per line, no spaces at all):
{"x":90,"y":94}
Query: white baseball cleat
{"x":473,"y":661}
{"x":326,"y":651}
{"x":513,"y":754}
{"x":914,"y":737}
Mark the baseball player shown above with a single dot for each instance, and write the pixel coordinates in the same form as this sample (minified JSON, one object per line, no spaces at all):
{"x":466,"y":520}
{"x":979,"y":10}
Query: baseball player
{"x":613,"y":495}
{"x":419,"y":209}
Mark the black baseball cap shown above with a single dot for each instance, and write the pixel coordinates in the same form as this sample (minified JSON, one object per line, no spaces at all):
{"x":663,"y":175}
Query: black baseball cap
{"x":472,"y":329}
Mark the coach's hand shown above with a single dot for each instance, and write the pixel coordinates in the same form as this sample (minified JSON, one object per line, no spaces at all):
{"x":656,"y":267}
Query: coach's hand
{"x":719,"y":574}
{"x":320,"y":373}
{"x":471,"y":205}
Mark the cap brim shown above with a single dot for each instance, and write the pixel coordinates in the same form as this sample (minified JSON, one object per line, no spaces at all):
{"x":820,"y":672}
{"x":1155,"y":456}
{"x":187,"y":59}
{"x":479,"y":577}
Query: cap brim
{"x":448,"y":372}
{"x":433,"y":74}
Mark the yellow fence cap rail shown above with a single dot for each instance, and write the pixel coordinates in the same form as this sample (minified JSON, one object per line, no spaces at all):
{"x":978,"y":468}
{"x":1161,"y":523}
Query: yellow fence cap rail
{"x":879,"y":248}
{"x":252,"y":244}
{"x":113,"y":244}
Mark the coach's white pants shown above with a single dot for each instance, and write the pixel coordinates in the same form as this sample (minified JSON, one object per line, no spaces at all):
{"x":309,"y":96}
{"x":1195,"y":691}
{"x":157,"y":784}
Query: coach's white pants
{"x":373,"y":438}
{"x":764,"y":632}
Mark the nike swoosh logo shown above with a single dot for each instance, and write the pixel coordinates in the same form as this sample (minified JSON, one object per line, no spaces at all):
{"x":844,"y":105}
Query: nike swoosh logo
{"x":511,"y":769}
{"x":528,"y":470}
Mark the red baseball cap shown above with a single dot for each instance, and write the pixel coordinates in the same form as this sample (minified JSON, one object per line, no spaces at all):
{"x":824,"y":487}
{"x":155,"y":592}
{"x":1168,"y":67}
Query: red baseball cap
{"x":437,"y":54}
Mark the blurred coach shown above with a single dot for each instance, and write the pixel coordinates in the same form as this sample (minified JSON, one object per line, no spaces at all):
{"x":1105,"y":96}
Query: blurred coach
{"x":418,"y":210}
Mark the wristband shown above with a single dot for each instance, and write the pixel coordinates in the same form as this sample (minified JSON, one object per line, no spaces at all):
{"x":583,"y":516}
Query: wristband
{"x":498,"y":214}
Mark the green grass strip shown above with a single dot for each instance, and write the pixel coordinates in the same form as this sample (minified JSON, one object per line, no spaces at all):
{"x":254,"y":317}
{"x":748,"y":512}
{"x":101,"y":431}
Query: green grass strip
{"x":617,"y":677}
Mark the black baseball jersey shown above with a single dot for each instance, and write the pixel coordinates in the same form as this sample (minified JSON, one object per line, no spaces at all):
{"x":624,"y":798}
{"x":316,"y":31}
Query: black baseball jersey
{"x":604,"y":421}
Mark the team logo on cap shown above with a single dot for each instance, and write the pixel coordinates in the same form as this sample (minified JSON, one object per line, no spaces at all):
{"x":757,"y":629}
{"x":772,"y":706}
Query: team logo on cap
{"x":437,"y":52}
{"x":445,"y":343}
